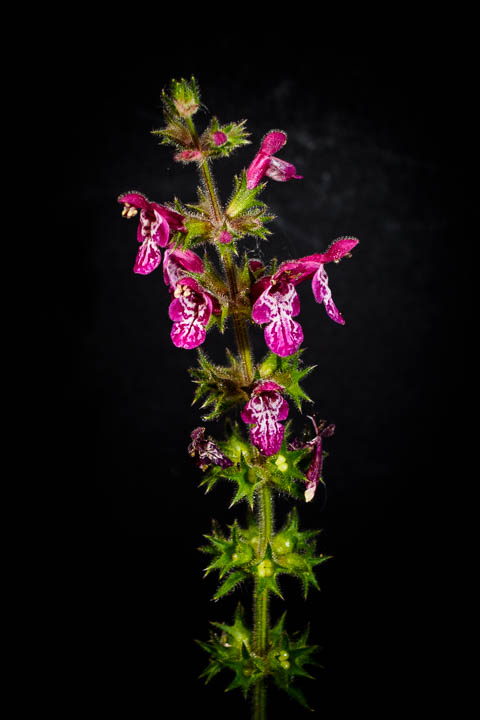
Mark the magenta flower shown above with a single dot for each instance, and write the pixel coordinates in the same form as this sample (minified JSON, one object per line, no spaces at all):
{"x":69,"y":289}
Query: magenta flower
{"x":153,"y":231}
{"x":276,"y":301}
{"x":176,"y":262}
{"x":190,"y":311}
{"x":264,"y":411}
{"x":206,"y":452}
{"x":264,"y":162}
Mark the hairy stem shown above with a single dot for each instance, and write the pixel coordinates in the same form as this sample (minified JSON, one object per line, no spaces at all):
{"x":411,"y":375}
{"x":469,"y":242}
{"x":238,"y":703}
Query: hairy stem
{"x":206,"y":174}
{"x":239,"y":323}
{"x":260,"y":597}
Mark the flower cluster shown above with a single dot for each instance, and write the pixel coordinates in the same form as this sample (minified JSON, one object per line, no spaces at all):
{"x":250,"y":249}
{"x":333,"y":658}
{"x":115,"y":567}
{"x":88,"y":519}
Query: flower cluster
{"x":202,"y":293}
{"x":192,"y":306}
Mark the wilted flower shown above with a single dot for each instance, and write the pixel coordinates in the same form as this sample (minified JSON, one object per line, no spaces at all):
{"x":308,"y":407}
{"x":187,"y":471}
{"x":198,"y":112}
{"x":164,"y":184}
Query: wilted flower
{"x":206,"y":452}
{"x":264,"y":411}
{"x":264,"y":162}
{"x":276,"y":301}
{"x":314,"y":473}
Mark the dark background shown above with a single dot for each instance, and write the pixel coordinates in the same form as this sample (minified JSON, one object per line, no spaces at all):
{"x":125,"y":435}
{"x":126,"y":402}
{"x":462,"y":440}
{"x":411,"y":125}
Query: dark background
{"x":373,"y":135}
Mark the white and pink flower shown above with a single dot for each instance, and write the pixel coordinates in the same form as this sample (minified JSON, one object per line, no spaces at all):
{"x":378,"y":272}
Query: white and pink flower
{"x":275,"y":299}
{"x":264,"y":411}
{"x":154,"y":229}
{"x":266,"y":164}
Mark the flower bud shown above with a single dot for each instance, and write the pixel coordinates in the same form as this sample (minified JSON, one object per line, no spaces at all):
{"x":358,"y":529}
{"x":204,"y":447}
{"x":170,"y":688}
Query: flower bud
{"x":185,"y":97}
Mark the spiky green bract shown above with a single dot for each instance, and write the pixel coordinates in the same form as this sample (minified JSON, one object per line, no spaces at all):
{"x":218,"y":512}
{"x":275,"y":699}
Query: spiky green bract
{"x":183,"y":97}
{"x":284,"y":471}
{"x":294,"y":551}
{"x":243,"y":199}
{"x":287,"y":657}
{"x":291,"y":552}
{"x":220,"y":387}
{"x":286,"y":372}
{"x":236,"y":137}
{"x":244,"y":473}
{"x":198,"y":231}
{"x":246,"y":214}
{"x":231,"y":556}
{"x":231,"y":649}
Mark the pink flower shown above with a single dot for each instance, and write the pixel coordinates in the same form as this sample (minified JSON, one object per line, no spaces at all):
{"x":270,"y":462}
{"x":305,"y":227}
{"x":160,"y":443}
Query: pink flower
{"x":276,"y":301}
{"x":176,"y":262}
{"x":153,"y":231}
{"x":188,"y":156}
{"x":264,"y":411}
{"x":190,"y":311}
{"x":264,"y":162}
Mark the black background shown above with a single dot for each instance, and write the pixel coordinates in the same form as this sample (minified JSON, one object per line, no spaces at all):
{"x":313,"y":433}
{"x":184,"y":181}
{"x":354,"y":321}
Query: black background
{"x":372,"y":134}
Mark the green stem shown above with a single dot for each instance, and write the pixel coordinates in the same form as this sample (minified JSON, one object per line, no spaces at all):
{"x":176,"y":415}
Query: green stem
{"x":239,"y":323}
{"x":261,"y":622}
{"x":260,"y":598}
{"x":205,"y":170}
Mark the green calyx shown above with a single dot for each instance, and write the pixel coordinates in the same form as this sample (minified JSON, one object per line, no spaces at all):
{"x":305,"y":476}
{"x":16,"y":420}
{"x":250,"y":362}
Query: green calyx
{"x":223,"y":140}
{"x":287,"y":372}
{"x":219,"y":387}
{"x":231,"y":647}
{"x":236,"y":556}
{"x":183,"y":97}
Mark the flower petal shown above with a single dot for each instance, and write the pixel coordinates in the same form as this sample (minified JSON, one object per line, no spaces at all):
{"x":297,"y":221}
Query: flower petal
{"x":257,"y":169}
{"x":273,"y":141}
{"x":339,"y":247}
{"x":322,"y":293}
{"x":148,"y":258}
{"x":283,"y":335}
{"x":190,"y":314}
{"x":262,"y":410}
{"x":176,"y":261}
{"x":134,"y":198}
{"x":281,"y":171}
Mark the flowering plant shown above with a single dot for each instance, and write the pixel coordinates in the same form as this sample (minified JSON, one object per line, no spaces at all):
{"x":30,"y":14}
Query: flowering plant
{"x":257,"y":453}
